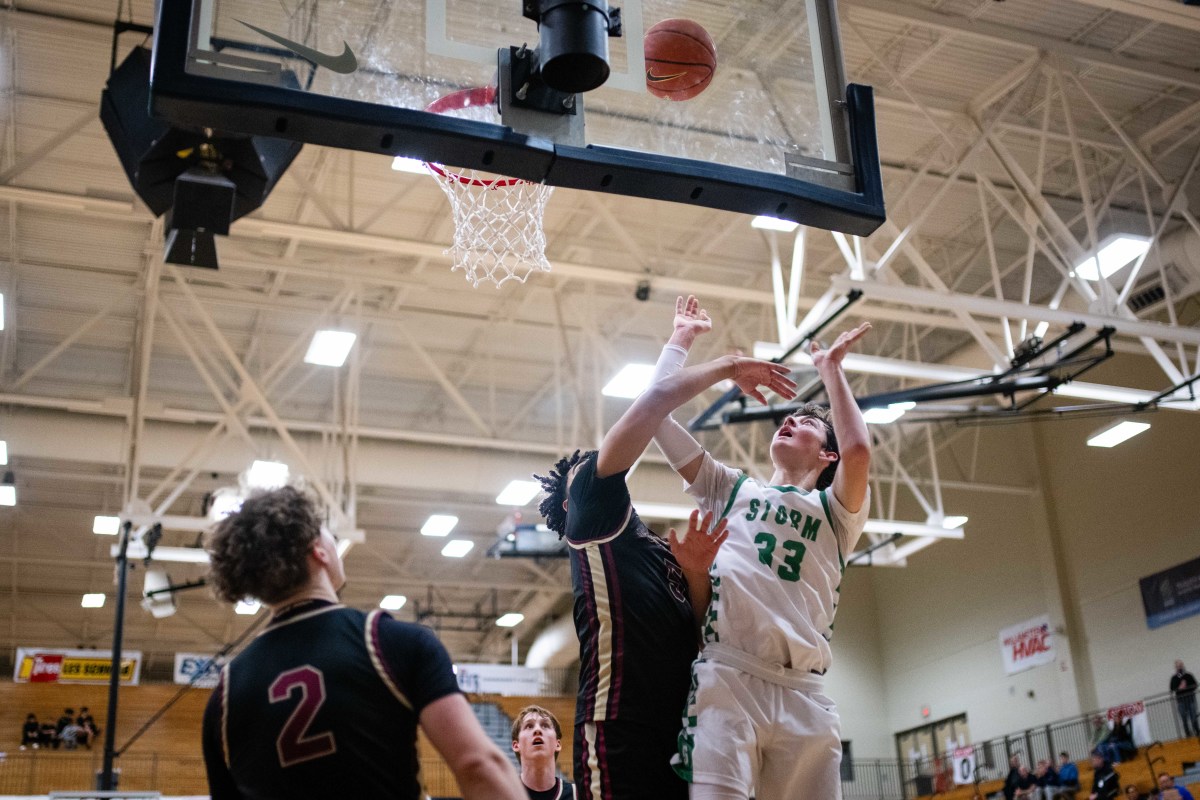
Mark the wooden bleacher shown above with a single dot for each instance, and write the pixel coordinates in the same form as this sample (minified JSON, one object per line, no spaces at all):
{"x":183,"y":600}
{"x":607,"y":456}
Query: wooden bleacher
{"x":168,"y":755}
{"x":1135,"y":771}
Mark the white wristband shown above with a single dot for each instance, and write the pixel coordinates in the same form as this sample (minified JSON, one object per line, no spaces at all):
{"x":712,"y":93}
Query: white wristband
{"x":673,"y":439}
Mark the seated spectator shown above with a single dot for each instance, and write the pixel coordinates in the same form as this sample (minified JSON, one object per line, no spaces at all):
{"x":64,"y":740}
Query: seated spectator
{"x":1046,"y":777}
{"x":1167,"y":790}
{"x":1106,"y":783}
{"x":1068,"y":777}
{"x":1014,"y":774}
{"x":1132,"y":793}
{"x":67,"y":718}
{"x":1118,"y":746}
{"x":29,"y":732}
{"x":88,"y":723}
{"x":1026,"y":786}
{"x":71,"y":735}
{"x":48,"y":735}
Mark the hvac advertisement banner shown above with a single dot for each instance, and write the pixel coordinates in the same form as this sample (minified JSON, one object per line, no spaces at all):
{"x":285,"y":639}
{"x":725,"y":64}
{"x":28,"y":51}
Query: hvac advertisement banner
{"x":54,"y":665}
{"x":1029,"y":644}
{"x":499,"y":679}
{"x":197,"y":669}
{"x":1171,"y":595}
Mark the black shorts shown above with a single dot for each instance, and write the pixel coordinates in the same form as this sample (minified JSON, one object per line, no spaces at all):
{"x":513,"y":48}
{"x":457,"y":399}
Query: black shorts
{"x":620,"y":760}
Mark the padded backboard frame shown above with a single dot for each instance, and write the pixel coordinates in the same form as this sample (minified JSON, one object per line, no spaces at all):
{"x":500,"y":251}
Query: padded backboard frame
{"x":198,"y":100}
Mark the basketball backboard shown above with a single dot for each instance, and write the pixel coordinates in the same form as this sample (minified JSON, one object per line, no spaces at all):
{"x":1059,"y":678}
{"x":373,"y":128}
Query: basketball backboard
{"x":777,"y":132}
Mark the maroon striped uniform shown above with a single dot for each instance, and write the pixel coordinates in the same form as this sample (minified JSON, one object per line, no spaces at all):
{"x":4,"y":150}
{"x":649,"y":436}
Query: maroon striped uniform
{"x":637,"y":639}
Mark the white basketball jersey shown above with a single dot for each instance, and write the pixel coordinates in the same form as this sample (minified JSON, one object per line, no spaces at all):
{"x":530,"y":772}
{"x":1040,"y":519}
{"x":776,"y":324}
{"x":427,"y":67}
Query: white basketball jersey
{"x":776,"y":579}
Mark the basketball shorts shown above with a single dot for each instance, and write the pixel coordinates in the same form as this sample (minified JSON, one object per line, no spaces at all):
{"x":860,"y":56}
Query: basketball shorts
{"x":757,"y":737}
{"x":626,"y":760}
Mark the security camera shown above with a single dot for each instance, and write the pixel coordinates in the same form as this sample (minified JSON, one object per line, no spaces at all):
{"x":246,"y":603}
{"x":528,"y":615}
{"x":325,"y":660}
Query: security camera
{"x":642,"y":292}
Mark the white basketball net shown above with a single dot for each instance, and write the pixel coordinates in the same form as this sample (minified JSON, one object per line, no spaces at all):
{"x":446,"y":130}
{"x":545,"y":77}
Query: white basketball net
{"x":498,"y":233}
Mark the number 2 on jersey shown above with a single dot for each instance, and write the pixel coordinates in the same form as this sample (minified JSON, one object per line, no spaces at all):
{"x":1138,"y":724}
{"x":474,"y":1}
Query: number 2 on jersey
{"x":294,"y":743}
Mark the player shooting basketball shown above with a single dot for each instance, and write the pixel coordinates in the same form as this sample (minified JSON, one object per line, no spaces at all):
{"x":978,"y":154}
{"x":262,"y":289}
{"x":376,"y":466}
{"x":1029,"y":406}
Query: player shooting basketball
{"x":637,"y":630}
{"x":756,"y":707}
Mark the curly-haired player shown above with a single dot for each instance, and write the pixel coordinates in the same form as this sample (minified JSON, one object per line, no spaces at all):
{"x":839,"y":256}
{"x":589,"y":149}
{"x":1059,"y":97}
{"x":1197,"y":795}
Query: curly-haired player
{"x":636,"y":625}
{"x":325,"y":702}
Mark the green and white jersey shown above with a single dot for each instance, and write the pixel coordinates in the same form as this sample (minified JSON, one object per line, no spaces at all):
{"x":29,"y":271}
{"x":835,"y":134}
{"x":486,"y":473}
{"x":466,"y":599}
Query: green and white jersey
{"x":776,"y":579}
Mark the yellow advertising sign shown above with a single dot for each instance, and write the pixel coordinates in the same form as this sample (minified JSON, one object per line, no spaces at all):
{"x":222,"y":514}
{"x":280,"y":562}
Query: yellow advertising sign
{"x":74,"y":666}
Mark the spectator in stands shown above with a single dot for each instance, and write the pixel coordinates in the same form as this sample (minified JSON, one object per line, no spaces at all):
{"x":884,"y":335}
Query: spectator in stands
{"x":48,"y":735}
{"x":1014,"y":775}
{"x":1118,"y":746}
{"x":1068,"y":776}
{"x":1026,"y":786}
{"x":71,"y":735}
{"x":29,"y":732}
{"x":1047,"y":779}
{"x":87,"y":722}
{"x":1183,"y":686}
{"x":1106,"y":783}
{"x":1132,"y":793}
{"x":67,"y":718}
{"x":537,"y":741}
{"x":325,"y":702}
{"x":1167,"y":790}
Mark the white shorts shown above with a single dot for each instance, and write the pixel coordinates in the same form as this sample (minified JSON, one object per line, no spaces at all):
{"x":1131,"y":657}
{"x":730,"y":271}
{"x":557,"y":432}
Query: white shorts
{"x":754,"y":736}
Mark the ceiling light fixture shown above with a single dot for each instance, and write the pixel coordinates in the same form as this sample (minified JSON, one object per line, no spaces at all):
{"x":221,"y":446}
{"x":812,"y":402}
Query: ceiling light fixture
{"x":518,"y":493}
{"x":92,"y":600}
{"x":457,"y":548}
{"x":882,"y":416}
{"x":1115,"y":433}
{"x":3,"y":451}
{"x":247,"y":607}
{"x":266,"y":475}
{"x":414,"y":165}
{"x":510,"y":620}
{"x":439,"y":525}
{"x":631,"y":381}
{"x":1113,"y":254}
{"x":106,"y":526}
{"x":393,"y":602}
{"x":774,"y":224}
{"x":8,"y":490}
{"x":330,"y":348}
{"x":956,"y":521}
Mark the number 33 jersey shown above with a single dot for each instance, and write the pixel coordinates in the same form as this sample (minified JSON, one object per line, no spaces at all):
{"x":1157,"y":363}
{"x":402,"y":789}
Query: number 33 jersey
{"x":776,"y":579}
{"x":324,"y":703}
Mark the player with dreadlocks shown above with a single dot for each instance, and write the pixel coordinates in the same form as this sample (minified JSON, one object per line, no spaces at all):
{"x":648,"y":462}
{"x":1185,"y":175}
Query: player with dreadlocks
{"x":636,"y":625}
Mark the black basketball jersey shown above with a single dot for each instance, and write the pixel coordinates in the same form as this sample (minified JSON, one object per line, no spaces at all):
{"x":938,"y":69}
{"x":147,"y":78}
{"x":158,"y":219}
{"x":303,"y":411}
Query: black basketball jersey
{"x":324,"y":703}
{"x":637,"y":634}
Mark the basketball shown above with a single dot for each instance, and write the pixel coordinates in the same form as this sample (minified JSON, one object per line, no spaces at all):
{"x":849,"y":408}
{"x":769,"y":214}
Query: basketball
{"x":680,"y":59}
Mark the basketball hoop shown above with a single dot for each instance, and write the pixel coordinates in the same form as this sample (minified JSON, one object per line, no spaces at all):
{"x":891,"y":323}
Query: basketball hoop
{"x":498,"y":233}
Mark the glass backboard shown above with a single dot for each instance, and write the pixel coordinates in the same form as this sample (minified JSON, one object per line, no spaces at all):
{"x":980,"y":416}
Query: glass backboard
{"x":775,"y":132}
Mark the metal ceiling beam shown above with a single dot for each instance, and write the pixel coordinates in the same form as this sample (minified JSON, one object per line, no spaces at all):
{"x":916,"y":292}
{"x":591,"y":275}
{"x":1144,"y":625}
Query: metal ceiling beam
{"x":1015,"y":37}
{"x":1000,"y":308}
{"x":1167,"y":12}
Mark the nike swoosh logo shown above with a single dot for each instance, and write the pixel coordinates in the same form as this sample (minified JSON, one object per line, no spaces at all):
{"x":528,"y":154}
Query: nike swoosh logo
{"x":650,"y":76}
{"x":344,"y":64}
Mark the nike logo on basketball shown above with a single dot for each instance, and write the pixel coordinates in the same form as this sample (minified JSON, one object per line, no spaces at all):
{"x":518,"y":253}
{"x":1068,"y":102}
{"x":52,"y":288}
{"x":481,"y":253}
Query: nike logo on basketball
{"x":652,"y":78}
{"x":344,"y":64}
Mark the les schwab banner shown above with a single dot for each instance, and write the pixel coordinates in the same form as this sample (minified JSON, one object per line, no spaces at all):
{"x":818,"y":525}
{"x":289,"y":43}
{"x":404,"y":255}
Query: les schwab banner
{"x":53,"y":665}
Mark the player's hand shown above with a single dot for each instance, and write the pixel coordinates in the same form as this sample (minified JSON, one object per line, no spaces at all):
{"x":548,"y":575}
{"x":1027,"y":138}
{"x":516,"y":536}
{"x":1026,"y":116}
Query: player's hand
{"x":751,"y":373}
{"x":698,"y":549}
{"x":833,"y":356}
{"x":690,"y":319}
